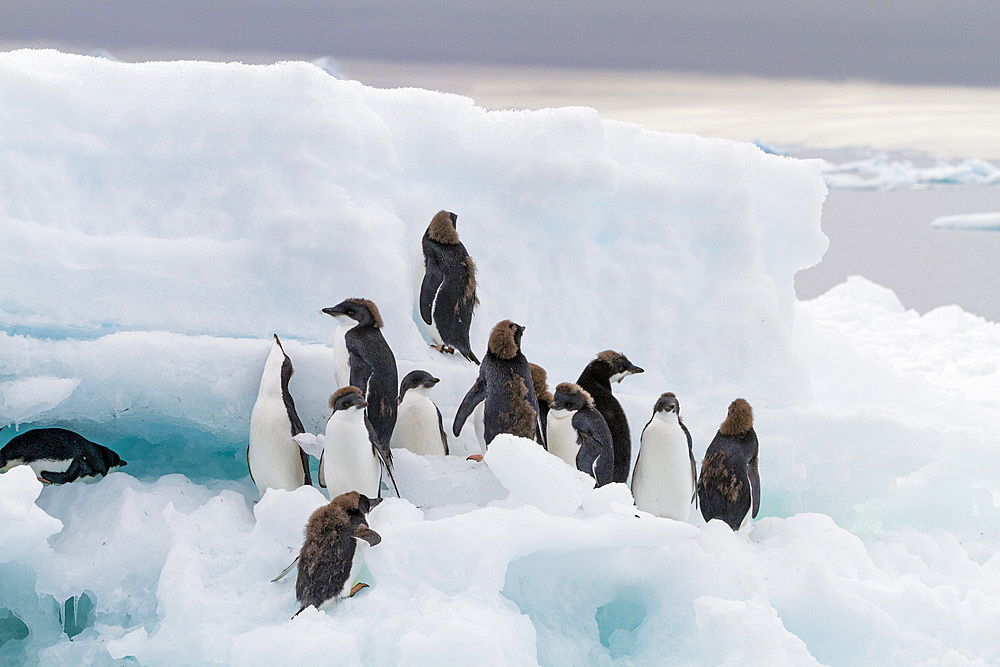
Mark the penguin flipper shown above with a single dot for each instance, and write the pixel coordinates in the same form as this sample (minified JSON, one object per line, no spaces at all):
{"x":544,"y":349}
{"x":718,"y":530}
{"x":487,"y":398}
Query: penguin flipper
{"x":429,"y":286}
{"x":381,"y":455}
{"x":475,"y":396}
{"x":444,"y":437}
{"x":285,"y":572}
{"x":78,"y":468}
{"x":363,"y":532}
{"x":694,"y":464}
{"x":321,"y":477}
{"x":307,"y":477}
{"x":754,"y":475}
{"x":361,"y":372}
{"x":248,"y":465}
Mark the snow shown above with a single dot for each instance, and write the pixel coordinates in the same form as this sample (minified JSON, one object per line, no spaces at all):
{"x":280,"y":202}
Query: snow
{"x":975,"y":221}
{"x":163,"y":220}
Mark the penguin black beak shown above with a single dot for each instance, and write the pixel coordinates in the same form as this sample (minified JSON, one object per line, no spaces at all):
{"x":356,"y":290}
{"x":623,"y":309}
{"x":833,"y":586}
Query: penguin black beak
{"x":331,"y":311}
{"x":374,"y":502}
{"x":635,"y":369}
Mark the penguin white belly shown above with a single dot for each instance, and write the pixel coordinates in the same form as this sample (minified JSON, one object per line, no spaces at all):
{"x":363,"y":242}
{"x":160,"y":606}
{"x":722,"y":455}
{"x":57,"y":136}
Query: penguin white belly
{"x":417,"y":426}
{"x":479,"y":422}
{"x":274,"y":458}
{"x":348,"y":461}
{"x":661,"y":483}
{"x":432,"y":329}
{"x":561,"y":436}
{"x":43,"y":465}
{"x":341,"y":357}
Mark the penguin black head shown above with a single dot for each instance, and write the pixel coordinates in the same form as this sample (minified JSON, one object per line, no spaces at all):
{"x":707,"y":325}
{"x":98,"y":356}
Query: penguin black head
{"x":286,"y":366}
{"x":442,"y":228}
{"x":668,"y":403}
{"x":618,"y":365}
{"x":362,"y":311}
{"x":739,"y":420}
{"x":571,"y":397}
{"x":111,"y":458}
{"x":346,"y":398}
{"x":505,"y":339}
{"x":416,"y":379}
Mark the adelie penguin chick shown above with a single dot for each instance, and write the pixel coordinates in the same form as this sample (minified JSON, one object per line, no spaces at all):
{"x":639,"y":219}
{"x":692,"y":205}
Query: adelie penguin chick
{"x":419,"y":427}
{"x":448,"y":290}
{"x":332,"y":555}
{"x":58,"y":456}
{"x":362,"y":356}
{"x":275,"y":460}
{"x":596,"y":379}
{"x":351,"y":459}
{"x":729,"y":486}
{"x":578,"y":434}
{"x":663,"y":480}
{"x":539,"y":380}
{"x":504,"y":385}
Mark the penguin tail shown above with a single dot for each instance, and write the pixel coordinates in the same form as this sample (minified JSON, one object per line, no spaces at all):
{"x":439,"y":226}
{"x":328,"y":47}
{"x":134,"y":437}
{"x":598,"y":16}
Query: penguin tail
{"x":468,"y":354}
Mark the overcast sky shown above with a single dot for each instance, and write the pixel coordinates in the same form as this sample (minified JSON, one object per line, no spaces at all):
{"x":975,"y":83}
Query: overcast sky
{"x":899,"y":41}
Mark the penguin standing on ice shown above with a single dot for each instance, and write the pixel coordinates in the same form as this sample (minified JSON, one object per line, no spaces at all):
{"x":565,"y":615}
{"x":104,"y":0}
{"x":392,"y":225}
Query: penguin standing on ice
{"x":504,"y":385}
{"x":448,"y":290}
{"x":59,"y":456}
{"x":596,"y":379}
{"x":539,"y":380}
{"x":663,"y":480}
{"x":364,"y":358}
{"x":332,"y":555}
{"x":729,"y":486}
{"x":275,"y":460}
{"x":419,"y":427}
{"x":578,"y":434}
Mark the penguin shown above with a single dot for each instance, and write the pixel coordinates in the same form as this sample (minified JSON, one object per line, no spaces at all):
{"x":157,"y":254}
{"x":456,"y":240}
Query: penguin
{"x":504,"y":385}
{"x":419,"y":427}
{"x":663,"y":481}
{"x":275,"y":460}
{"x":58,"y":456}
{"x":596,"y":379}
{"x":352,"y":459}
{"x":539,"y":380}
{"x":729,"y":486}
{"x":578,"y":434}
{"x":332,"y":555}
{"x":361,"y":353}
{"x":448,"y":290}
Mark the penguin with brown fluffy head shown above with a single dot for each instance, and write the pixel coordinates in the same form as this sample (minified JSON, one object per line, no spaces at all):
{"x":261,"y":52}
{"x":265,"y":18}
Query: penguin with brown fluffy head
{"x":448,"y":290}
{"x":539,"y":380}
{"x":332,"y":555}
{"x":504,"y":385}
{"x":596,"y":379}
{"x":729,"y":485}
{"x":362,"y":354}
{"x":578,"y":434}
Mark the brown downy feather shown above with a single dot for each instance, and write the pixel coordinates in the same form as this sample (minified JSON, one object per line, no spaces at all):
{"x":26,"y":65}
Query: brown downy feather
{"x":608,"y":356}
{"x":372,"y":308}
{"x":441,"y":229}
{"x":572,"y":388}
{"x":502,"y":342}
{"x":739,"y":420}
{"x":539,"y":380}
{"x":470,"y":284}
{"x":343,"y":391}
{"x":715,"y":476}
{"x":521,"y":418}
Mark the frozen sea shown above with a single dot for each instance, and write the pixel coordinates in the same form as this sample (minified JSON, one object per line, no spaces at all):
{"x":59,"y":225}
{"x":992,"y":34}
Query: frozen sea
{"x":162,"y":220}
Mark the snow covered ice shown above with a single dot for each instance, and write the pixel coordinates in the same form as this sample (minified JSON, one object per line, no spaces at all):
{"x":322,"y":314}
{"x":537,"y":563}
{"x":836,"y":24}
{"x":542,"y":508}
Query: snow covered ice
{"x":161,"y":221}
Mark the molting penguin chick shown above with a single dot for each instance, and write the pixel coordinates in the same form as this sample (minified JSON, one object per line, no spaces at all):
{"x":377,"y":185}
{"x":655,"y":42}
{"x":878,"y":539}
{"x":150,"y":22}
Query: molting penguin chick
{"x":539,"y":380}
{"x":419,"y":427}
{"x":275,"y":460}
{"x":664,"y":477}
{"x":448,"y":290}
{"x":332,"y":555}
{"x":578,"y":434}
{"x":596,"y":379}
{"x":504,"y":384}
{"x":360,"y":352}
{"x":59,"y":456}
{"x":729,"y":486}
{"x":351,"y":456}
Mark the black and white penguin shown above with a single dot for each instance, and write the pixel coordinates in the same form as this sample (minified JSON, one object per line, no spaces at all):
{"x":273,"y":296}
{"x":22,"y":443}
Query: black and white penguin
{"x":539,"y":380}
{"x":275,"y":460}
{"x":448,"y":290}
{"x":332,"y":555}
{"x":596,"y":379}
{"x":578,"y":434}
{"x":664,"y":477}
{"x":361,"y":353}
{"x":419,"y":427}
{"x":351,"y":459}
{"x":504,"y":385}
{"x":58,"y":456}
{"x":729,"y":486}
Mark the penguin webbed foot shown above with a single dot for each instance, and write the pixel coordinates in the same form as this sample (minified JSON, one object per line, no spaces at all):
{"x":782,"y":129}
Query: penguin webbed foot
{"x":475,"y":457}
{"x":358,"y":587}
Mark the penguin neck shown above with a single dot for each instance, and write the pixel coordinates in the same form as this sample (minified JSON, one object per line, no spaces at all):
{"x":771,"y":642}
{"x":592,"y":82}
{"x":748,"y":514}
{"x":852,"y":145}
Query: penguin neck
{"x":351,"y":415}
{"x":560,"y":413}
{"x":270,"y":381}
{"x":671,"y":418}
{"x":596,"y":374}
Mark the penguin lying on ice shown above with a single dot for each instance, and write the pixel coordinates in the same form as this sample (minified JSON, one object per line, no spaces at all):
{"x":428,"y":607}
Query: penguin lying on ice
{"x":58,"y":456}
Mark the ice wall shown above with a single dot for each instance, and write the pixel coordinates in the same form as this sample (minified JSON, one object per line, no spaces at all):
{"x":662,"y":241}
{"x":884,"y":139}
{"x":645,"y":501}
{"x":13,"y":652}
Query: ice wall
{"x":161,"y":220}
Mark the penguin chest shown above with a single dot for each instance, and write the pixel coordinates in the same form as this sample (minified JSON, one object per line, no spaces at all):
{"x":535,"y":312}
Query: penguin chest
{"x":432,"y":328}
{"x":479,"y":422}
{"x":561,"y":436}
{"x":417,"y":426}
{"x":274,"y":459}
{"x":341,"y":357}
{"x":662,"y":483}
{"x":348,"y":461}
